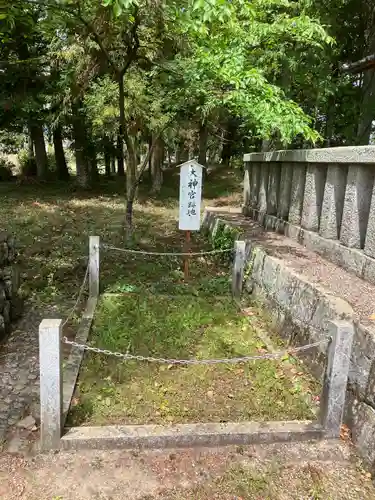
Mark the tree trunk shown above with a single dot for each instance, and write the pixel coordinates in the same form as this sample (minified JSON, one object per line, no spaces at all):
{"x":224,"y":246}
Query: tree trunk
{"x":40,"y":150}
{"x":93,"y":162}
{"x":150,"y":160}
{"x":30,"y":144}
{"x":367,"y":111}
{"x":92,"y":156}
{"x":113,"y":165}
{"x":203,"y":138}
{"x":156,"y":165}
{"x":62,"y":171}
{"x":107,"y":161}
{"x":80,"y":146}
{"x":132,"y":180}
{"x":229,"y":139}
{"x":120,"y":137}
{"x":178,"y":154}
{"x":131,"y":190}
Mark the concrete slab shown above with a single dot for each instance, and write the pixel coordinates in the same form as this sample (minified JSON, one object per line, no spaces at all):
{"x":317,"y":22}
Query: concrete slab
{"x":189,"y":435}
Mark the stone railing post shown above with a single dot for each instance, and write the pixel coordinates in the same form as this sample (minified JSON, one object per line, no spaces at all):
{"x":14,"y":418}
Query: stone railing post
{"x":285,"y":190}
{"x":297,"y":193}
{"x":238,"y":267}
{"x":94,"y":245}
{"x":51,"y":396}
{"x":336,"y":377}
{"x":255,"y":184}
{"x":263,"y":191}
{"x":370,"y":233}
{"x":247,"y":187}
{"x":273,"y":188}
{"x":356,"y":205}
{"x":333,"y":201}
{"x":313,"y":196}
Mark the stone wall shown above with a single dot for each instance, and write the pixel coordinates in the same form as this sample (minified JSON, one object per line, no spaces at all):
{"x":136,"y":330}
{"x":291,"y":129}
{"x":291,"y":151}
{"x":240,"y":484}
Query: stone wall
{"x":10,"y":302}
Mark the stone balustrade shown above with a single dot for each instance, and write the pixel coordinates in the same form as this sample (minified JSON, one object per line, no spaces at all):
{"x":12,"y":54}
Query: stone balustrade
{"x":328,"y":191}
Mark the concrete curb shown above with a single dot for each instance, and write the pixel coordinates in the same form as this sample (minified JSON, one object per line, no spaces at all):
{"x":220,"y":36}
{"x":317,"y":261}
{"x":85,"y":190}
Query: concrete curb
{"x":189,"y":435}
{"x":72,"y":366}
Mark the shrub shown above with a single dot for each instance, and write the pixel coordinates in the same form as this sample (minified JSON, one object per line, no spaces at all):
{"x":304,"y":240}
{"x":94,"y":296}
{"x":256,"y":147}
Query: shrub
{"x":6,"y":169}
{"x":27,"y":164}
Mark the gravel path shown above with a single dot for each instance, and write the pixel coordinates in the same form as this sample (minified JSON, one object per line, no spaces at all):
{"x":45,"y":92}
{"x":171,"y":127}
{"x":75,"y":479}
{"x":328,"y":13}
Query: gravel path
{"x":325,"y":469}
{"x":19,"y":373}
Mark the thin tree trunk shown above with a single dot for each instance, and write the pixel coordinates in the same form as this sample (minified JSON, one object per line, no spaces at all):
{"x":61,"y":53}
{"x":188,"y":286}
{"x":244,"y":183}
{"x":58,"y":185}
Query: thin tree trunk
{"x":150,"y":160}
{"x":120,"y":137}
{"x":80,"y":147}
{"x":156,"y":165}
{"x":367,"y":111}
{"x":40,"y":150}
{"x":203,"y":139}
{"x":113,"y":165}
{"x":94,"y":174}
{"x":178,"y":154}
{"x":133,"y":180}
{"x":62,"y":171}
{"x":107,"y":161}
{"x":30,"y":144}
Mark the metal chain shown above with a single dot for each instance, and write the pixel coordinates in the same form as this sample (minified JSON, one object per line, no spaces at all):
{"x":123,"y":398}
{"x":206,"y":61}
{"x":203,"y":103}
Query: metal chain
{"x":78,"y":296}
{"x":151,"y":359}
{"x":167,"y":254}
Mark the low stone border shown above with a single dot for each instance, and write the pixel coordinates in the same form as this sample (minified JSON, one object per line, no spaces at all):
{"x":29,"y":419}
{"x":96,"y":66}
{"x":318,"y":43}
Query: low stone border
{"x":55,"y":402}
{"x":188,"y":435}
{"x":73,"y":365}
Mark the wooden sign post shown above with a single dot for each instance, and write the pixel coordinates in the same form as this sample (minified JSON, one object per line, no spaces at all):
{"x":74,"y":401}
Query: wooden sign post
{"x":190,"y":203}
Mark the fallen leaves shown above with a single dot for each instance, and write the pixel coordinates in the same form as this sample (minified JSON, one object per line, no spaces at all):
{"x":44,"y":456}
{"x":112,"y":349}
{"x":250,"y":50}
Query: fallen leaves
{"x":345,"y":433}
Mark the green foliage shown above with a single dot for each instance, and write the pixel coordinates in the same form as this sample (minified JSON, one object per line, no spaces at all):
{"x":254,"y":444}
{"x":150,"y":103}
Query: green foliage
{"x":223,"y":238}
{"x":27,"y":164}
{"x":10,"y":141}
{"x":6,"y":170}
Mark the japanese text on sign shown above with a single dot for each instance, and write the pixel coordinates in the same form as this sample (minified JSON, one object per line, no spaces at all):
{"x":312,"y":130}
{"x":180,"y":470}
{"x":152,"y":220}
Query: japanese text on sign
{"x":190,"y":196}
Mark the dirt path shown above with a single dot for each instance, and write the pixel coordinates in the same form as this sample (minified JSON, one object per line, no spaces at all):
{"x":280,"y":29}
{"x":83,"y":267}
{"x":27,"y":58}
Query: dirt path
{"x":324,"y":470}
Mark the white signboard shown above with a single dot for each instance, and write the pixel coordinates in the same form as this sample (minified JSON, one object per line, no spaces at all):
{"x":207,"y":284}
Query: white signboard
{"x":190,"y":196}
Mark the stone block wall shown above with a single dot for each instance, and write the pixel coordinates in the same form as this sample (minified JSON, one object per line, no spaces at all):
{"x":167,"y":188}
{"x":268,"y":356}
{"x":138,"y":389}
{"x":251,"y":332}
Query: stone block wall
{"x":10,"y":302}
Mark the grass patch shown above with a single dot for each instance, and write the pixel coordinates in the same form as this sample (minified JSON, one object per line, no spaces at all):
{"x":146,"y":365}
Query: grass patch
{"x":180,"y":327}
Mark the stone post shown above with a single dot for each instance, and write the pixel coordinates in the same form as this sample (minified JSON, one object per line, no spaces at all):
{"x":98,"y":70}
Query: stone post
{"x":263,"y":191}
{"x":238,"y":267}
{"x":273,"y":188}
{"x":247,"y":188}
{"x":313,"y":196}
{"x":336,"y":377}
{"x":297,"y":193}
{"x":50,"y":367}
{"x":333,"y":201}
{"x":285,"y":190}
{"x":356,"y":205}
{"x":255,"y":184}
{"x":370,"y":232}
{"x":94,"y":266}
